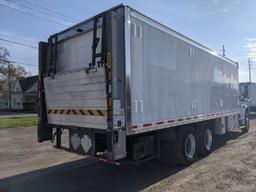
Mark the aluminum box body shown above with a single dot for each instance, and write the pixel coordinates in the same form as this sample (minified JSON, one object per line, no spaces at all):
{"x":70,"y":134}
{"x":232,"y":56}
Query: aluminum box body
{"x":145,"y":77}
{"x":175,"y":80}
{"x":160,"y":78}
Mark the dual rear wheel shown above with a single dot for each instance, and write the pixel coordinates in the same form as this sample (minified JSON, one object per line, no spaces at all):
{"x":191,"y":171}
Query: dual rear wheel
{"x":190,"y":142}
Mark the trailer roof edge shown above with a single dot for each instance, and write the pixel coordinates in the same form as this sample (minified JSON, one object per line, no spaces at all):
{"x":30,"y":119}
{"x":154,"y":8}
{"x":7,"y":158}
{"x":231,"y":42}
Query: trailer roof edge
{"x":183,"y":36}
{"x":89,"y":19}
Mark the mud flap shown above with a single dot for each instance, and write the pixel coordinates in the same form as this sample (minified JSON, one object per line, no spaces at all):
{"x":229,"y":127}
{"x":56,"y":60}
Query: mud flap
{"x":81,"y":141}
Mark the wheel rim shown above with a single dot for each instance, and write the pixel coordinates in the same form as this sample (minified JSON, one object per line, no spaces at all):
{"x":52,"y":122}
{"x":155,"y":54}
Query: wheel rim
{"x":208,"y":139}
{"x":190,"y":146}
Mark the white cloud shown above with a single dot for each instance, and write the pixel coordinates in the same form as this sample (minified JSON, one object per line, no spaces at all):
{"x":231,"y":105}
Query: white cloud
{"x":249,"y":52}
{"x":251,"y":39}
{"x":235,"y":3}
{"x":250,"y":46}
{"x":225,"y":10}
{"x":9,"y":4}
{"x":243,"y":75}
{"x":220,"y":10}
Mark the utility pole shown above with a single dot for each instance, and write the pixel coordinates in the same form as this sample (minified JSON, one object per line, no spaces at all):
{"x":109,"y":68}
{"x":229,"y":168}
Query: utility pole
{"x":249,"y":65}
{"x":9,"y":85}
{"x":223,"y":50}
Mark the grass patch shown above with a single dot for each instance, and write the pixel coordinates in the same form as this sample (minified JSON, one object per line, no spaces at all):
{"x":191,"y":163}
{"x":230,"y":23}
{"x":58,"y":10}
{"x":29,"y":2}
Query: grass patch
{"x":18,"y":122}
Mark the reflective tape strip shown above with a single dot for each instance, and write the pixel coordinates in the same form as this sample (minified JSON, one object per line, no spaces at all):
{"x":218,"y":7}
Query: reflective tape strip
{"x":139,"y":128}
{"x":91,"y":112}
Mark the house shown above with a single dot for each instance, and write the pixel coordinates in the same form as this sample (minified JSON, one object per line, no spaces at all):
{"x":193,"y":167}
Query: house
{"x":24,"y":94}
{"x":4,"y":101}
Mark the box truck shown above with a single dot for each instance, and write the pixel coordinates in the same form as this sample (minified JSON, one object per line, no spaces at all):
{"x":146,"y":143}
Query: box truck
{"x":128,"y":87}
{"x":248,"y":91}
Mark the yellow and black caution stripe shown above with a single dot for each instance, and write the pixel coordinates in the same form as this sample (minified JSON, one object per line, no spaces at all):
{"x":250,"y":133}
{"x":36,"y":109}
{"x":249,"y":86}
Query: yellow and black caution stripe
{"x":92,"y":112}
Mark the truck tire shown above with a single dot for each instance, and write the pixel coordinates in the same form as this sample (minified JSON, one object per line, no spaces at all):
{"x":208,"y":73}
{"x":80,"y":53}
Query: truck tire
{"x":206,"y":140}
{"x":186,"y":146}
{"x":247,"y":122}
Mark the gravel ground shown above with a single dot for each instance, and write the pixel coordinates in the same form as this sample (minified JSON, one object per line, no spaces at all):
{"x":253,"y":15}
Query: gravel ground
{"x":26,"y":166}
{"x":230,"y":168}
{"x":20,"y":152}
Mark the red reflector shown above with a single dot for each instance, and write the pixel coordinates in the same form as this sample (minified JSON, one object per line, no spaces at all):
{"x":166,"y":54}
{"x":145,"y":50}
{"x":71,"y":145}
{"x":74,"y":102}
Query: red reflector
{"x":109,"y":101}
{"x":109,"y":76}
{"x":110,"y":114}
{"x":159,"y":123}
{"x":147,"y":124}
{"x":134,"y":126}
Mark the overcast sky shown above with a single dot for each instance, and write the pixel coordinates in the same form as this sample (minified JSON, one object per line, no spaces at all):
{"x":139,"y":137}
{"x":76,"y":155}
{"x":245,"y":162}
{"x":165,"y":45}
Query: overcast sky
{"x":210,"y":22}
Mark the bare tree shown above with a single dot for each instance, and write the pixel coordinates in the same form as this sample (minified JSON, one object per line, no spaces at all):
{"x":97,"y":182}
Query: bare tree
{"x":4,"y":61}
{"x":9,"y":71}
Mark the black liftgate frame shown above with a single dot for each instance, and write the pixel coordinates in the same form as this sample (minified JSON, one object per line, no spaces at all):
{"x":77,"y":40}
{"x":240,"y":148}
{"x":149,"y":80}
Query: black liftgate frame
{"x":44,"y":133}
{"x":106,"y":61}
{"x":47,"y":65}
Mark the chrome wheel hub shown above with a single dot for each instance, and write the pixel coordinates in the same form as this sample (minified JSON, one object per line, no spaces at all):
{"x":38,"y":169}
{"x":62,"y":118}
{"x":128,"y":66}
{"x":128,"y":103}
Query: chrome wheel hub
{"x":208,"y":139}
{"x":190,"y":146}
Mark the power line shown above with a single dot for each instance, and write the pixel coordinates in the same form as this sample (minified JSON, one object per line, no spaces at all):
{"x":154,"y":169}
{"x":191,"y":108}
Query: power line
{"x":24,"y":12}
{"x":20,"y":38}
{"x":44,"y":12}
{"x":54,"y":13}
{"x":28,"y":64}
{"x":17,"y":43}
{"x":17,"y":62}
{"x":51,"y":11}
{"x":41,"y":11}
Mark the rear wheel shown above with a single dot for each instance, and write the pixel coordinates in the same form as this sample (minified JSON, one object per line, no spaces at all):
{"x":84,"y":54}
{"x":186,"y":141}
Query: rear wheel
{"x":186,"y":148}
{"x":206,"y":141}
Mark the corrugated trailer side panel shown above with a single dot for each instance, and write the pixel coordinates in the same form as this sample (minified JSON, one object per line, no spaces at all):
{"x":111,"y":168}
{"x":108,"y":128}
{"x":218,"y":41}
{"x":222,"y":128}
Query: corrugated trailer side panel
{"x":174,"y":79}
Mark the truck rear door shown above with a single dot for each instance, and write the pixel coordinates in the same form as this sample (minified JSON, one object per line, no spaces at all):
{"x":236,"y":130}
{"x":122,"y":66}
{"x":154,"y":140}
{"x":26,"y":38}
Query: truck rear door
{"x":74,"y":95}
